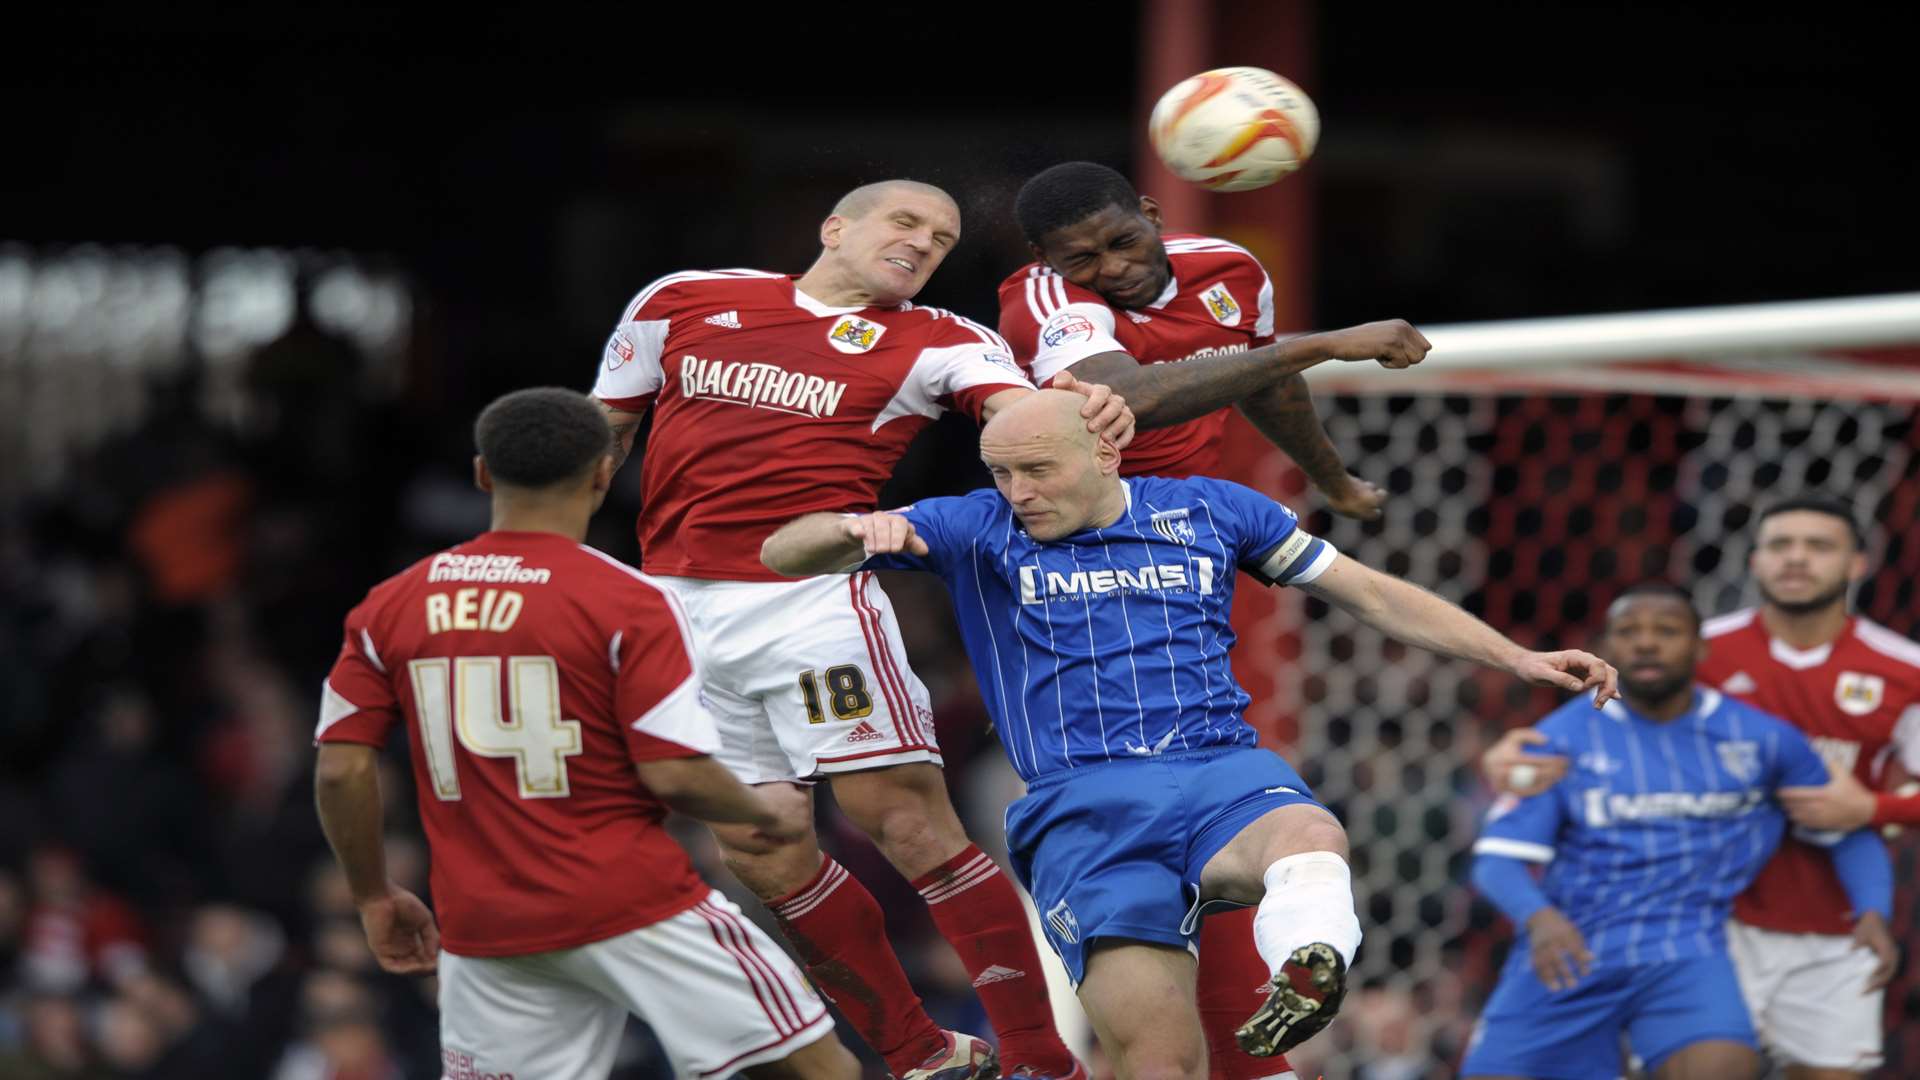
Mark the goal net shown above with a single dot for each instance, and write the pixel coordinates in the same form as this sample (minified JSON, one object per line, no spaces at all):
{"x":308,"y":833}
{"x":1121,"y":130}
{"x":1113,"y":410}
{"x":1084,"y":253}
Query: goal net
{"x":1537,"y":467}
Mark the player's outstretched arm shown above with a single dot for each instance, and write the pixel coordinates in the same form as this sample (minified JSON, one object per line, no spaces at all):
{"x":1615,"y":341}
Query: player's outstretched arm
{"x":1284,"y":413}
{"x":1105,"y":411}
{"x":828,"y":543}
{"x":1406,"y":612}
{"x":399,"y":927}
{"x":1162,"y":395}
{"x":702,"y":788}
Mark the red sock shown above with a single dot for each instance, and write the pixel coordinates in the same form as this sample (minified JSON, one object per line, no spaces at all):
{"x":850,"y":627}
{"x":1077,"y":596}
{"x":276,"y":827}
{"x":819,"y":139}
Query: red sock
{"x":977,"y":910}
{"x":1232,"y":984}
{"x":833,"y":921}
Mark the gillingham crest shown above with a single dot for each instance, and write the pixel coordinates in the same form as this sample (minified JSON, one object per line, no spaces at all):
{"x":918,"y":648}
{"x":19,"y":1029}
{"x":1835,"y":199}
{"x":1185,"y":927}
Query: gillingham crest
{"x":1175,"y":525}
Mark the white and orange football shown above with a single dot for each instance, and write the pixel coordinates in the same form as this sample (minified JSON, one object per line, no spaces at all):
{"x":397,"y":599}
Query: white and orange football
{"x":1234,"y":129}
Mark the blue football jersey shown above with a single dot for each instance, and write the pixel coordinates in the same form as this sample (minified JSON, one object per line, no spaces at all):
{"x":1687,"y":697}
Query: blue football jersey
{"x":1657,"y":825}
{"x":1112,"y":642}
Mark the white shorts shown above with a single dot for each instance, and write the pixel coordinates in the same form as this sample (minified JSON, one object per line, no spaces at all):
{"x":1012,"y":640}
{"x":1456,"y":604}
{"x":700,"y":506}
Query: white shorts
{"x":1805,"y":992}
{"x":806,"y":677}
{"x":718,"y":994}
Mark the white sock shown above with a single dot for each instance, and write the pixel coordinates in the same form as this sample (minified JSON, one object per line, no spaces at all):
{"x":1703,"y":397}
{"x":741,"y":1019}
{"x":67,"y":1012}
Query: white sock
{"x":1309,"y":898}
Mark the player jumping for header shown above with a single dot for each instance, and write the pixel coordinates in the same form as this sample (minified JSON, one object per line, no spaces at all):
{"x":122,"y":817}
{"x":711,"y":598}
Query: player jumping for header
{"x":1183,"y":326}
{"x":1094,"y":611}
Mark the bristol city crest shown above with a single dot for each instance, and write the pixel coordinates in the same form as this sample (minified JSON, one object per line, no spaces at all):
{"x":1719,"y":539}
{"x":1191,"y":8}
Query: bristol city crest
{"x":1859,"y":694}
{"x":854,"y":335}
{"x":1221,"y":304}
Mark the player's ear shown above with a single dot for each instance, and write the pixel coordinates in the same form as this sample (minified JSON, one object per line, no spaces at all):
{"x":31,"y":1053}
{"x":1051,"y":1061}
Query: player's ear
{"x":603,"y":474}
{"x":1106,"y":456}
{"x":1150,"y":210}
{"x":482,"y":479}
{"x":831,"y":230}
{"x":1857,"y":566}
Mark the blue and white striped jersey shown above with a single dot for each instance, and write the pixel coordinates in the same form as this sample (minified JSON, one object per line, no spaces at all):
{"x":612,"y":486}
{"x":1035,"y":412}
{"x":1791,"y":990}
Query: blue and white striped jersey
{"x":1657,"y":825}
{"x":1110,"y":643}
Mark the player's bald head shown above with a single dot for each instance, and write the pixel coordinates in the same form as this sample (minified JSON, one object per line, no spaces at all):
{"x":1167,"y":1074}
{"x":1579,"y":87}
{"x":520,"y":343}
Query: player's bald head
{"x":1047,"y":418}
{"x":867,"y":198}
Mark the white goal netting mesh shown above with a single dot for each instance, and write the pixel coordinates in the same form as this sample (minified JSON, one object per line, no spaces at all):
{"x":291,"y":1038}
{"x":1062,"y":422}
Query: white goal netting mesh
{"x":1531,"y":508}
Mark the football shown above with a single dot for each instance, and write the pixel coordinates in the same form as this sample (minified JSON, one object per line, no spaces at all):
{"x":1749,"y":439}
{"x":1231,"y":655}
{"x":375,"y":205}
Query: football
{"x":1234,"y":129}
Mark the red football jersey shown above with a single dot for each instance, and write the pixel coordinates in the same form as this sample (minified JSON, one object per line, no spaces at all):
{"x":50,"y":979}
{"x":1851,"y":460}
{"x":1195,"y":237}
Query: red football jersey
{"x":1858,"y":700}
{"x":531,"y":672}
{"x":768,"y":405}
{"x":1218,"y":301}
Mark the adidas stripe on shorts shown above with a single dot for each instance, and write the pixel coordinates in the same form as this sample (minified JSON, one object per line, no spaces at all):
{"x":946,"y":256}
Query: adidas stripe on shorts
{"x":719,"y":995}
{"x":806,"y":677}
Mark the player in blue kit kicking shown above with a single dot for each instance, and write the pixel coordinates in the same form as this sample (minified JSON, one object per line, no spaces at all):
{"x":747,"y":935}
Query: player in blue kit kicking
{"x":1668,"y":812}
{"x":1095,"y":612}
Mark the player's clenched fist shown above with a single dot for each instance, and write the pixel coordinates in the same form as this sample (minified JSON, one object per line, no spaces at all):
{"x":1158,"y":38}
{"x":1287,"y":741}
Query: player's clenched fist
{"x":1393,"y":342}
{"x":883,"y":533}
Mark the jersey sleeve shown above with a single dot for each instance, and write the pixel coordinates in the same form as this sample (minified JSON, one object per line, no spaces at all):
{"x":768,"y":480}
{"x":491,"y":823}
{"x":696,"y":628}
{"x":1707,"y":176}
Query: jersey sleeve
{"x":631,"y":372}
{"x":947,"y":525}
{"x":656,"y":685}
{"x":1270,"y":544}
{"x":357,"y":702}
{"x":1796,"y":762}
{"x":1526,"y":829}
{"x":1263,"y":327}
{"x":968,"y":364}
{"x":1052,"y":325}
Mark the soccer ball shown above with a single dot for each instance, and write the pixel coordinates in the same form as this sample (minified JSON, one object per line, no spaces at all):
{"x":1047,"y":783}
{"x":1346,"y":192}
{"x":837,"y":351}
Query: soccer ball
{"x":1234,"y":129}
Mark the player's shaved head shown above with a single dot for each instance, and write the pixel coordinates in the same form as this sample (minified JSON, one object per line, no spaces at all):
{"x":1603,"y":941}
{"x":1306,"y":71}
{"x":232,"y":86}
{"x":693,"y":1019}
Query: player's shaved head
{"x":1050,"y":417}
{"x":540,"y":437}
{"x":866,"y":198}
{"x":1058,"y":476}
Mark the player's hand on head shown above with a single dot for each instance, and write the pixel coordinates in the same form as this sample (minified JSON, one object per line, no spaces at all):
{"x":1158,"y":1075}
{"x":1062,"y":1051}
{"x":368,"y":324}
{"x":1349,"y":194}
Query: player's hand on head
{"x":1508,"y":766}
{"x":1106,"y":412}
{"x":1393,"y":342}
{"x":883,"y":533}
{"x":1571,"y":669}
{"x":1560,"y":955}
{"x":1361,"y":500}
{"x":1842,"y":804}
{"x":1870,"y":932}
{"x":402,"y":933}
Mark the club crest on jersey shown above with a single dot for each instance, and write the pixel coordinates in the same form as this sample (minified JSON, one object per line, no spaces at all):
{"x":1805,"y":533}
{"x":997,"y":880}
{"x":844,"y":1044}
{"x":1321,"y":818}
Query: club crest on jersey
{"x":1175,"y":525}
{"x":1740,"y":757}
{"x":1859,"y":694}
{"x":854,"y":335}
{"x":1220,"y":302}
{"x":1061,"y":921}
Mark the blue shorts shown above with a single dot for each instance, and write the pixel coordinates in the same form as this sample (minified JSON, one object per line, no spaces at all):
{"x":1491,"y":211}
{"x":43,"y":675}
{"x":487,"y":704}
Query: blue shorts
{"x":1115,"y":850}
{"x":1528,"y":1030}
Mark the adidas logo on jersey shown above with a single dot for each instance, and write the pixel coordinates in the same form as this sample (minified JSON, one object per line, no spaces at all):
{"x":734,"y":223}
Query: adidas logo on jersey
{"x":996,"y":973}
{"x":1739,"y":683}
{"x":760,"y":386}
{"x":728,"y":319}
{"x":864,"y":733}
